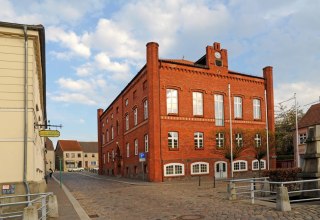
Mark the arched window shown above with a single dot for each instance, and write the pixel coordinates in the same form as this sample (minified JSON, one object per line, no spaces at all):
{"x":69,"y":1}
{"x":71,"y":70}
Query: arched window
{"x":200,"y":168}
{"x":174,"y":169}
{"x":240,"y":165}
{"x":255,"y":164}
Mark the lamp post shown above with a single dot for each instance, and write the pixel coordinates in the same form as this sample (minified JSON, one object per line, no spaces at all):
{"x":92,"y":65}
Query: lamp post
{"x":60,"y":166}
{"x":297,"y":134}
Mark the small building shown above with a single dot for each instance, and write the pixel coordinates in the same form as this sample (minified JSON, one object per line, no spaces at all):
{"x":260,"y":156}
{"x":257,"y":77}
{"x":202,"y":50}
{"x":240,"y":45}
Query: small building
{"x":177,"y":115}
{"x":311,"y":118}
{"x":70,"y":153}
{"x":50,"y":159}
{"x":22,"y":108}
{"x":90,"y":155}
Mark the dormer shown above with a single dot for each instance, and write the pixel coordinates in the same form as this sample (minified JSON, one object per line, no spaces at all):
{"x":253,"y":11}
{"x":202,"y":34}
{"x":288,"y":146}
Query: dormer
{"x":215,"y":58}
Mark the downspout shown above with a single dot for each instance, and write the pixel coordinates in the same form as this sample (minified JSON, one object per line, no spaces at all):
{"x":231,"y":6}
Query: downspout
{"x":25,"y":141}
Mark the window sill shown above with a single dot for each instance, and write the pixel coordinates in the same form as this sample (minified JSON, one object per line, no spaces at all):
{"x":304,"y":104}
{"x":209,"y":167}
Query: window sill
{"x":198,"y":116}
{"x":173,"y":149}
{"x":172,"y":114}
{"x":238,"y":118}
{"x":257,"y":119}
{"x":197,"y":148}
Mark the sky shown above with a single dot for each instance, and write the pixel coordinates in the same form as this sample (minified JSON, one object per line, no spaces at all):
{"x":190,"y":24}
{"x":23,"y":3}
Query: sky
{"x":95,"y":47}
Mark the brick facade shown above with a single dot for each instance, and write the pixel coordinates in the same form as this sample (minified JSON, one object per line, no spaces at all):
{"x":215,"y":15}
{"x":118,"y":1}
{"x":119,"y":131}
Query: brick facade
{"x":205,"y":78}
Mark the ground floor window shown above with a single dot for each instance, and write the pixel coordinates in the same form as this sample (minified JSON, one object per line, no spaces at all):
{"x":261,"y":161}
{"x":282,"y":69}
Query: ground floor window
{"x":174,"y":169}
{"x":93,"y":163}
{"x":255,"y":165}
{"x":240,"y":165}
{"x":200,"y":168}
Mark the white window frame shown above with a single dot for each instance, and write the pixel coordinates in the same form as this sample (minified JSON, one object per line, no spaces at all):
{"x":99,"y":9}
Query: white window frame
{"x":218,"y":110}
{"x":108,"y":136}
{"x":135,"y":116}
{"x":257,"y":140}
{"x":136,"y":149}
{"x":256,"y":109}
{"x":197,"y":102}
{"x":145,"y":109}
{"x":174,"y":137}
{"x":220,"y":138}
{"x":198,"y":140}
{"x":112,"y":133}
{"x":240,"y":162}
{"x":174,"y":169}
{"x":103,"y":139}
{"x":126,"y":102}
{"x":199,"y":170}
{"x":146,"y":143}
{"x":302,"y":138}
{"x":238,"y":107}
{"x":172,"y":101}
{"x":127,"y":122}
{"x":239,"y":140}
{"x":256,"y":162}
{"x":128,"y":149}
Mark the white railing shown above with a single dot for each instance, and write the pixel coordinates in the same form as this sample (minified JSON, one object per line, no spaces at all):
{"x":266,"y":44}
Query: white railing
{"x":260,"y":189}
{"x":40,"y":200}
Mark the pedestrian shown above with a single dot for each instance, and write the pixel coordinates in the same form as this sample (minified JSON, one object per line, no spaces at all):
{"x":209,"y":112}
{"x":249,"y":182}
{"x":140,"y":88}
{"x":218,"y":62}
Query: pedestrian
{"x":51,"y":172}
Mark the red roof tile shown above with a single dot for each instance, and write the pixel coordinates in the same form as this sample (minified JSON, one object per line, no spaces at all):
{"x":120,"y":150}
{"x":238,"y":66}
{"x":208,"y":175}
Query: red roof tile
{"x":312,"y":117}
{"x":69,"y":145}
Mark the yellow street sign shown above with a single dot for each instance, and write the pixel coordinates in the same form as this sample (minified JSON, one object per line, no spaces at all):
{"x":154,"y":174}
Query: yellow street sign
{"x":49,"y":133}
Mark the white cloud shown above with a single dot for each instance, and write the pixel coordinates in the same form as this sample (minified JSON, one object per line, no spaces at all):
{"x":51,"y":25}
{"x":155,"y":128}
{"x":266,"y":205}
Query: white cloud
{"x":306,"y":92}
{"x":74,"y":85}
{"x":69,"y":40}
{"x":114,"y":40}
{"x":74,"y":98}
{"x":104,"y":63}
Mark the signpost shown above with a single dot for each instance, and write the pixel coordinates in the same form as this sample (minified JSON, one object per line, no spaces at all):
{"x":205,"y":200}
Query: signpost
{"x":142,"y":159}
{"x":49,"y":133}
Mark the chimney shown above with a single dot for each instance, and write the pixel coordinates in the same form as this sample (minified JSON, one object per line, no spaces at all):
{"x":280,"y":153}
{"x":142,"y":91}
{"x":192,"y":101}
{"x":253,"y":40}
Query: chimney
{"x":268,"y":79}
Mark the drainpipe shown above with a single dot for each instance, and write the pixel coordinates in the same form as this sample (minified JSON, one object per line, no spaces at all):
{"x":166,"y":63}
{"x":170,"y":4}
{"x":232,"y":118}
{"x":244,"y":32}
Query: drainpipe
{"x":25,"y":141}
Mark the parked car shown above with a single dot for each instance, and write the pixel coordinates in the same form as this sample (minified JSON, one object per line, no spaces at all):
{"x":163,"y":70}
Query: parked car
{"x":76,"y":169}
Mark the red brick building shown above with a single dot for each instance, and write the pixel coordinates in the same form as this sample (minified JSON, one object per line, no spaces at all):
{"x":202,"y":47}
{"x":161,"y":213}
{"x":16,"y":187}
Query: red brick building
{"x":177,"y":113}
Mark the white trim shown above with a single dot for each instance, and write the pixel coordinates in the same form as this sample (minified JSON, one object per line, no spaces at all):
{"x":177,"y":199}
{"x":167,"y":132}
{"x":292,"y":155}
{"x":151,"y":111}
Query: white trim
{"x":261,"y":161}
{"x":174,"y":169}
{"x":200,"y":172}
{"x":240,"y":161}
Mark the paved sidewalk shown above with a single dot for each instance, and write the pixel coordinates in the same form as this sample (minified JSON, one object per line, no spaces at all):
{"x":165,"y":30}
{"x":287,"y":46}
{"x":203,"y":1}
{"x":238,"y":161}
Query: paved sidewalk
{"x":66,"y":209}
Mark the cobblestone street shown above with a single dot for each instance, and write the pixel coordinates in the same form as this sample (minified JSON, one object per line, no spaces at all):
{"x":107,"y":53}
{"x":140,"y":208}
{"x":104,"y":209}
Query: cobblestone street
{"x":121,"y":199}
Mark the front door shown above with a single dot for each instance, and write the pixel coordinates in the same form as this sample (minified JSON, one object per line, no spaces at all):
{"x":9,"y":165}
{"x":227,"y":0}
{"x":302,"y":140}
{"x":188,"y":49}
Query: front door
{"x":221,"y":170}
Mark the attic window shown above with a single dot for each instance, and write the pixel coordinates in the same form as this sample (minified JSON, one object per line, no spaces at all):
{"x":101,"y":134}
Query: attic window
{"x":218,"y":63}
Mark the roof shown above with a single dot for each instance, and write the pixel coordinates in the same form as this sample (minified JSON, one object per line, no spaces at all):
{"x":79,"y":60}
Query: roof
{"x":89,"y":147}
{"x":49,"y":144}
{"x":69,"y":145}
{"x":312,"y":117}
{"x":182,"y":61}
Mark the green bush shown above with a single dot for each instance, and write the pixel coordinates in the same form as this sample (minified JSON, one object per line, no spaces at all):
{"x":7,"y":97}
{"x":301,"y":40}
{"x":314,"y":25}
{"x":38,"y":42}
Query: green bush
{"x":282,"y":175}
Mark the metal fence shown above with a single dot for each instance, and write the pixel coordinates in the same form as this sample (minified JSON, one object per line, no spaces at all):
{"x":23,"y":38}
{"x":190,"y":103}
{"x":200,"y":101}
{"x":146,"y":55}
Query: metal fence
{"x":263,"y":189}
{"x":14,"y":210}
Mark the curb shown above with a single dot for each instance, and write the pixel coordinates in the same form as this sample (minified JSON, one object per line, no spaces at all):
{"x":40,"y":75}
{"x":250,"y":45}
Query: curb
{"x":76,"y":205}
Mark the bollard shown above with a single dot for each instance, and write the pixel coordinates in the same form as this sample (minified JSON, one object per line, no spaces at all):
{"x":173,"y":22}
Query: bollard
{"x":214,"y":181}
{"x":53,"y":207}
{"x":265,"y":188}
{"x":30,"y":213}
{"x":199,"y":181}
{"x":283,"y":201}
{"x":232,"y":194}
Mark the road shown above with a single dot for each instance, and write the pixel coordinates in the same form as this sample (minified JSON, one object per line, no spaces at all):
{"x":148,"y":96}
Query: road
{"x":121,"y":199}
